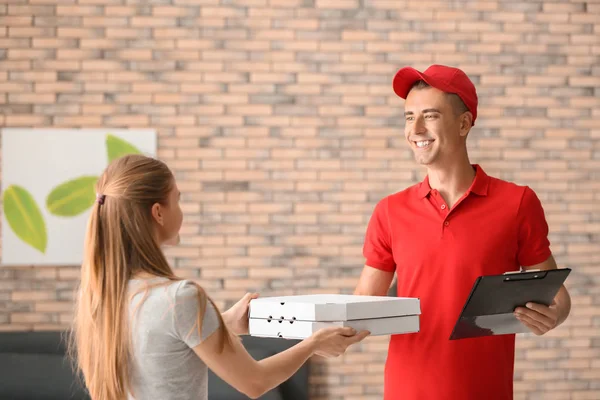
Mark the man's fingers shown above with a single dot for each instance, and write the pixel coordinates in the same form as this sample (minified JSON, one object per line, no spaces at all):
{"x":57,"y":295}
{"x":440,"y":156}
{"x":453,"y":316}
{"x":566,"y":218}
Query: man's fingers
{"x":536,"y":327}
{"x":542,"y":309}
{"x":542,"y":319}
{"x":529,"y":324}
{"x":533,"y":328}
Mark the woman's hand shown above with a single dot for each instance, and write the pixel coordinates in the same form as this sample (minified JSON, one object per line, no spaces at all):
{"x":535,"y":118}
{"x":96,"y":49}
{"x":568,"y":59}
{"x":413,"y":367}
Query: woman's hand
{"x":332,"y":342}
{"x":236,"y":318}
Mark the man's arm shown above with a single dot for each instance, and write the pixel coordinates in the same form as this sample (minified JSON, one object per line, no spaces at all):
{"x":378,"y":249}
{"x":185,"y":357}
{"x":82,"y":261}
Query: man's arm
{"x":540,"y":318}
{"x":373,"y":282}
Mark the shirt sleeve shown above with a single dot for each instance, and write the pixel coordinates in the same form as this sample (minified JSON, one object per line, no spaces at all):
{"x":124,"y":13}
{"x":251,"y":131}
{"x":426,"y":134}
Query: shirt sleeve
{"x":533,"y":243}
{"x":185,"y":315}
{"x":377,"y":248}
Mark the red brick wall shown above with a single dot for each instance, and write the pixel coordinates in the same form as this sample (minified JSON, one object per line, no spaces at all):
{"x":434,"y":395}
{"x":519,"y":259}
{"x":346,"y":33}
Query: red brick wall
{"x":279,"y":120}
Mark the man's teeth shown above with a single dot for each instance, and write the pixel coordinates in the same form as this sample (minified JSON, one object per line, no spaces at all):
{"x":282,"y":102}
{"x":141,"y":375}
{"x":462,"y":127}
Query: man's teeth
{"x":423,"y":143}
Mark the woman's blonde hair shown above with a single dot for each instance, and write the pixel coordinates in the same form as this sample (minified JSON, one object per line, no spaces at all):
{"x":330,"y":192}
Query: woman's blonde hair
{"x":119,"y":243}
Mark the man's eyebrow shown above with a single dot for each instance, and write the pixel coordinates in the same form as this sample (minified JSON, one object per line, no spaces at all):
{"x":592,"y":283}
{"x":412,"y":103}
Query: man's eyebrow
{"x":427,"y":110}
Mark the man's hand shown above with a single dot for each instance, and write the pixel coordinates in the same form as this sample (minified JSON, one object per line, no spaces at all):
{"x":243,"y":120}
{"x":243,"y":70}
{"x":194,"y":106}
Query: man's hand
{"x":538,"y":318}
{"x":236,"y":318}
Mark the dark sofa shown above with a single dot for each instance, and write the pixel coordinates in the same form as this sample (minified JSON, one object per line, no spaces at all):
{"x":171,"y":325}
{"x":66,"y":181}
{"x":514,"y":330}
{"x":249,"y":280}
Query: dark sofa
{"x":33,"y":366}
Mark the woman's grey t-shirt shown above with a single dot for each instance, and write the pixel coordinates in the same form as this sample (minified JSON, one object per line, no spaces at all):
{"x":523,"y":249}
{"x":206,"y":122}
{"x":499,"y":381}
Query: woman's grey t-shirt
{"x":164,"y":330}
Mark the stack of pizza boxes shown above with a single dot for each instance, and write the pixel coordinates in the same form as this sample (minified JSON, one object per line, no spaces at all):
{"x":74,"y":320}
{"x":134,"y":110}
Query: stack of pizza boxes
{"x":298,"y":317}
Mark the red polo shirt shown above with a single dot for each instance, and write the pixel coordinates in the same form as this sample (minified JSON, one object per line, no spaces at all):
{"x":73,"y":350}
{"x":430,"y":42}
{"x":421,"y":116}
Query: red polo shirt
{"x":437,"y":253}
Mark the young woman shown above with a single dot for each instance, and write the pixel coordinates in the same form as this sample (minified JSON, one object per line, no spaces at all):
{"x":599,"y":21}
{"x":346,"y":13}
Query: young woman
{"x":140,"y":332}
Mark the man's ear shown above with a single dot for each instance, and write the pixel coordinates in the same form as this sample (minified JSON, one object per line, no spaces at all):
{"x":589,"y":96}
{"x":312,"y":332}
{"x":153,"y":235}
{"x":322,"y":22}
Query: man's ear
{"x":466,"y":122}
{"x":157,"y":214}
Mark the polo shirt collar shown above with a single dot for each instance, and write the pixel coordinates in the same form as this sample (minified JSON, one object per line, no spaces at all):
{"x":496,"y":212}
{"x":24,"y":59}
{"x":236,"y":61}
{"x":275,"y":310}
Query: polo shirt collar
{"x":479,"y":186}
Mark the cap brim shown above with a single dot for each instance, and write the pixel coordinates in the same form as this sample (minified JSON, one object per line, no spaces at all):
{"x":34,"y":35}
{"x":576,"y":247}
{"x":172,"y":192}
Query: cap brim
{"x":406,"y":77}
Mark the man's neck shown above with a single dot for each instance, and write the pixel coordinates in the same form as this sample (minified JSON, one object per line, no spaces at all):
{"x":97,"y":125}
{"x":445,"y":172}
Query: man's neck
{"x":451,"y":181}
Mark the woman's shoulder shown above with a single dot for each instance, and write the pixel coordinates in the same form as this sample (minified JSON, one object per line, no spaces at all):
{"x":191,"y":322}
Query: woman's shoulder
{"x":185,"y":289}
{"x":162,"y":285}
{"x":173,"y":288}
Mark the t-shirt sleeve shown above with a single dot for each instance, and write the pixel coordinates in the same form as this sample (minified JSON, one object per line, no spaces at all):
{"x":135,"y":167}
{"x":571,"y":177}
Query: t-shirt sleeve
{"x":377,"y":249}
{"x":533,"y":243}
{"x":185,"y":315}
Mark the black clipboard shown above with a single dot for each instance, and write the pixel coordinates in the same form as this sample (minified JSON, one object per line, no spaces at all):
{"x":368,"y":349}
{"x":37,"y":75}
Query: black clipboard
{"x":493,"y":298}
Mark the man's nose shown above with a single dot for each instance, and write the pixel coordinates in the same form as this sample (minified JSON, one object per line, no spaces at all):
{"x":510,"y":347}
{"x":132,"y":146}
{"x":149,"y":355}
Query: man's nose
{"x":418,"y":126}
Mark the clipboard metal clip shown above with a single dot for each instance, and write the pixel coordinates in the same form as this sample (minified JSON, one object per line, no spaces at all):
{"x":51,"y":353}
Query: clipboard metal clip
{"x":522,"y":271}
{"x":524,"y":275}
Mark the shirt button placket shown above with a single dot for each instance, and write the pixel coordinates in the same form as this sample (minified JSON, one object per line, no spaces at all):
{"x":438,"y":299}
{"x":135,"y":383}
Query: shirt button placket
{"x":443,"y":229}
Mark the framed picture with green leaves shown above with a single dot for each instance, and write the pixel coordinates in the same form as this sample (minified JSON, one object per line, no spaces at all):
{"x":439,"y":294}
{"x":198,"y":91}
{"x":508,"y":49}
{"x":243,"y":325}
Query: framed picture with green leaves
{"x":48,"y":188}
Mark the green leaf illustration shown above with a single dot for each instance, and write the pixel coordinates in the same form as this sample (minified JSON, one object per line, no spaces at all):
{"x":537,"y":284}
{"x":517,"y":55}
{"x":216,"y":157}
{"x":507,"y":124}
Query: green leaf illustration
{"x":24,"y":217}
{"x":73,"y":197}
{"x":117,"y":147}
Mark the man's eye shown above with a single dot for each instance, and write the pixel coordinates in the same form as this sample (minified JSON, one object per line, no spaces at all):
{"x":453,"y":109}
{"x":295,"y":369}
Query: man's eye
{"x":430,"y":116}
{"x":410,"y":118}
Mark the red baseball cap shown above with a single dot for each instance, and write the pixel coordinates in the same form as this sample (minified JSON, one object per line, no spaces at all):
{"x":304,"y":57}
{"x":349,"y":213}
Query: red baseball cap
{"x":447,"y":79}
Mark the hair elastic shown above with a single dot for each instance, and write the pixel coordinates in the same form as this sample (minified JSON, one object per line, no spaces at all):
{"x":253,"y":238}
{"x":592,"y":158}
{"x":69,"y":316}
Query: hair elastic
{"x":100,"y":198}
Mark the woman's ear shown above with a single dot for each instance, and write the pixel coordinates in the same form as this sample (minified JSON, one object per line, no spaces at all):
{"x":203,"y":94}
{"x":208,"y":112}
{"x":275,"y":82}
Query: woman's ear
{"x":157,"y":214}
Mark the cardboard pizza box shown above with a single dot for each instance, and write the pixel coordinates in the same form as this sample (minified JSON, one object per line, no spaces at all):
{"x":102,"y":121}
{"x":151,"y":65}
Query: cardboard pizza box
{"x":302,"y":329}
{"x":332,"y":307}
